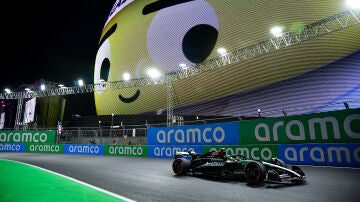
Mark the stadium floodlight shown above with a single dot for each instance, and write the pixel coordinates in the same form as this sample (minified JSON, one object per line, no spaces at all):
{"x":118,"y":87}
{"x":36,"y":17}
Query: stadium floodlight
{"x":259,"y":112}
{"x":353,"y":4}
{"x":42,"y":87}
{"x":61,"y":86}
{"x":183,"y":66}
{"x":7,"y":90}
{"x":112,"y":120}
{"x":222,"y":51}
{"x":154,"y":73}
{"x":80,"y":82}
{"x":126,"y":76}
{"x":276,"y":31}
{"x":112,"y":123}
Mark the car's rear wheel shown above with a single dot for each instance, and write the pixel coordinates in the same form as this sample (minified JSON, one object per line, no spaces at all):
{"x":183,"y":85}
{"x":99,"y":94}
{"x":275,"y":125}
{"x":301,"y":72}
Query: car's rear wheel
{"x":255,"y":172}
{"x":181,"y":166}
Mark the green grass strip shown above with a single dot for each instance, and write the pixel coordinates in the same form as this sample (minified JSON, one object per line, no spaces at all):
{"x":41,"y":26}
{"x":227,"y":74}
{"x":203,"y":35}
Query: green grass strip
{"x":23,"y":182}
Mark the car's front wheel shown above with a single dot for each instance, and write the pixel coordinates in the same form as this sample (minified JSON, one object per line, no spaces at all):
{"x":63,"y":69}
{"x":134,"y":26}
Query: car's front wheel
{"x":255,"y":172}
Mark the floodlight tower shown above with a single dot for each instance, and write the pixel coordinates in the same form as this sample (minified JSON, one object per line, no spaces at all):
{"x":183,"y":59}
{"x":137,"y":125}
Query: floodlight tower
{"x":18,"y":114}
{"x":170,"y":104}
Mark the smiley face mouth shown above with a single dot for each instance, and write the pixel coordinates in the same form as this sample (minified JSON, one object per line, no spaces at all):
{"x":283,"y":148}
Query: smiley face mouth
{"x":131,"y":98}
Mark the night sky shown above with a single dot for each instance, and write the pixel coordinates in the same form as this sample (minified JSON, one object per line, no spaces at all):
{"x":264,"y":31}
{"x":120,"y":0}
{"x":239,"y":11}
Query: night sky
{"x":52,"y":40}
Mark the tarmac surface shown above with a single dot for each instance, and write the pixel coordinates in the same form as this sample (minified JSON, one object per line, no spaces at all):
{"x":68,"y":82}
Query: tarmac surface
{"x":151,"y":179}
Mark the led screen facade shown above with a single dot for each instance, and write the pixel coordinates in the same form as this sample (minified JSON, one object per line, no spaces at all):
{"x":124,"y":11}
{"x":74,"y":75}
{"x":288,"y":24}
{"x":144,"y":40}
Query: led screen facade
{"x":141,"y":36}
{"x":2,"y":120}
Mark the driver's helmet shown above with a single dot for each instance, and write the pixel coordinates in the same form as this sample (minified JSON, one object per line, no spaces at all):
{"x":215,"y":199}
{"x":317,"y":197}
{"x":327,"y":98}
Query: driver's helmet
{"x":221,"y":153}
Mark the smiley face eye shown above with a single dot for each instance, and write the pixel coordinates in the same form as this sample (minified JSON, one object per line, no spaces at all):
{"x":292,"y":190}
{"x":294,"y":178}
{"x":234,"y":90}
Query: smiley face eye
{"x":183,"y":33}
{"x":105,"y":69}
{"x":102,"y":65}
{"x":198,"y":42}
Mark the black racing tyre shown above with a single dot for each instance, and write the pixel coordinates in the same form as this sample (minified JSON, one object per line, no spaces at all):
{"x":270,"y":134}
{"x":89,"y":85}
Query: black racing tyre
{"x":181,"y":166}
{"x":255,"y":172}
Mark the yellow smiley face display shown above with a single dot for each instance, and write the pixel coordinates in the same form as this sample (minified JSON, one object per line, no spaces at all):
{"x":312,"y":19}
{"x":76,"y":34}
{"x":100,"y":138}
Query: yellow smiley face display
{"x":147,"y":36}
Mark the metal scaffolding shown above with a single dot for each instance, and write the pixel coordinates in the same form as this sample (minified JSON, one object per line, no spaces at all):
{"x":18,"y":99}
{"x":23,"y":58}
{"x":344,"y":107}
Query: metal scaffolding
{"x":18,"y":114}
{"x":170,"y":103}
{"x":311,"y":31}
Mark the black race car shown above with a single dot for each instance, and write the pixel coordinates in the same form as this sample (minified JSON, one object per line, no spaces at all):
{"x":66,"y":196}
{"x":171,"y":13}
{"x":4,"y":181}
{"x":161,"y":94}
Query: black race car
{"x":218,"y":164}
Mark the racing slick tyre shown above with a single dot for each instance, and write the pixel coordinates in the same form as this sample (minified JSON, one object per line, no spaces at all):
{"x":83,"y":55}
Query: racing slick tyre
{"x":181,"y":166}
{"x":255,"y":172}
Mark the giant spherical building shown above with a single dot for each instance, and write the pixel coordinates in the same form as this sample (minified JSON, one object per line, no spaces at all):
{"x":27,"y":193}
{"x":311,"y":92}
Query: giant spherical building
{"x":145,"y":37}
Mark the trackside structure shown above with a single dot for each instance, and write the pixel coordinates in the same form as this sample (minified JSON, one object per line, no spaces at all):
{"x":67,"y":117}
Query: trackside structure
{"x":322,"y":139}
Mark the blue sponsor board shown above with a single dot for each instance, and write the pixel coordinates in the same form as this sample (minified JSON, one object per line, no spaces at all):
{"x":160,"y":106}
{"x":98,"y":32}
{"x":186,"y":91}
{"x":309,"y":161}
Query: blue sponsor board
{"x":93,"y":149}
{"x":12,"y":147}
{"x":168,"y":151}
{"x":342,"y":154}
{"x":207,"y":134}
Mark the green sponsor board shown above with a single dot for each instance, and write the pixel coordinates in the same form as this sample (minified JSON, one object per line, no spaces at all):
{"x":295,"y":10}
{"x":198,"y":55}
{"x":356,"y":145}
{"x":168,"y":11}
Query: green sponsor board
{"x":328,"y":127}
{"x":255,"y":152}
{"x":45,"y":148}
{"x":28,"y":136}
{"x":126,"y":150}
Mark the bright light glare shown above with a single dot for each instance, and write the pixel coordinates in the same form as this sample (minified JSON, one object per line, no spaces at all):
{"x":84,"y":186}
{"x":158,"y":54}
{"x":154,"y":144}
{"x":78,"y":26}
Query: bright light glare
{"x":80,"y":82}
{"x":27,"y":89}
{"x":42,"y":87}
{"x":126,"y":76}
{"x":353,"y":4}
{"x":276,"y":31}
{"x":221,"y":51}
{"x":7,"y":90}
{"x":154,"y":73}
{"x":183,"y":66}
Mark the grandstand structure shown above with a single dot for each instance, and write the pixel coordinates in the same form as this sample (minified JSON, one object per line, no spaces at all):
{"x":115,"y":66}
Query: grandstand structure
{"x":311,"y":31}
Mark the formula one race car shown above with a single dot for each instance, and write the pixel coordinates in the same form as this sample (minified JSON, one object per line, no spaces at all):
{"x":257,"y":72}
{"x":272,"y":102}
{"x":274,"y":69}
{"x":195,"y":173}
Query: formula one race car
{"x":218,"y":164}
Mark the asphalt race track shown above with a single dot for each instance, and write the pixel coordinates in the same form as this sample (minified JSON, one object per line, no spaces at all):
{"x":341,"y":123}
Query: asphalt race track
{"x":147,"y":179}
